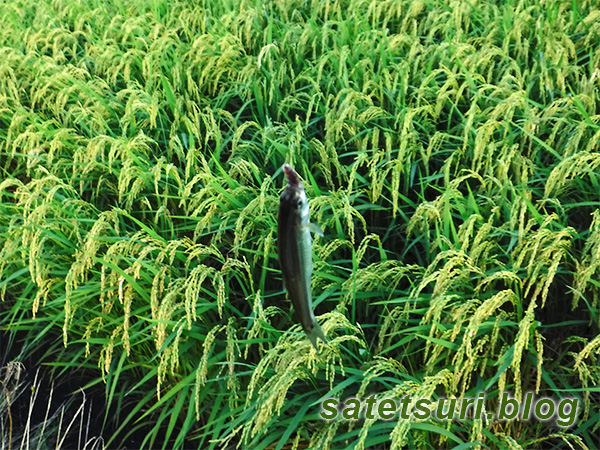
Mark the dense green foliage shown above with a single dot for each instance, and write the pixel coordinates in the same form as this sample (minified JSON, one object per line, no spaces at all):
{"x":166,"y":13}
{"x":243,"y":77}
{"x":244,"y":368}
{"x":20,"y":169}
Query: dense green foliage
{"x":450,"y":150}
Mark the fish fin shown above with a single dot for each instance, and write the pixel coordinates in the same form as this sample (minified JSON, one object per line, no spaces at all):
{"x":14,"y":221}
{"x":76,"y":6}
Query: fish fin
{"x":316,"y":333}
{"x":314,"y":228}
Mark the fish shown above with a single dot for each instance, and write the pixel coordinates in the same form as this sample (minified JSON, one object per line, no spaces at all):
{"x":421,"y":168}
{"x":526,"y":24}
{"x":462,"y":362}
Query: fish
{"x":294,"y":245}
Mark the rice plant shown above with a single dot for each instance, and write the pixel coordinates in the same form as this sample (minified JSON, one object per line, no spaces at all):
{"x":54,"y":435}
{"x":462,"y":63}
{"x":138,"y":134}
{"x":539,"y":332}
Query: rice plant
{"x":450,"y":153}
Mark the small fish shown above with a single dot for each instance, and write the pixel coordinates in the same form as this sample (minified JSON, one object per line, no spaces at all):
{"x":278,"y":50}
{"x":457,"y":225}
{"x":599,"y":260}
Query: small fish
{"x":294,"y":244}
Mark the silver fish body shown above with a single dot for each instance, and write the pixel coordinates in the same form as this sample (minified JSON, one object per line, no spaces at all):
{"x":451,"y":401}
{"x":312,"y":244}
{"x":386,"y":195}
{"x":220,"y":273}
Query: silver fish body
{"x":294,"y":244}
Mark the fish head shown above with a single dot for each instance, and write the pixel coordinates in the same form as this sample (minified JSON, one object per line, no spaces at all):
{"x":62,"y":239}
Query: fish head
{"x":294,"y":198}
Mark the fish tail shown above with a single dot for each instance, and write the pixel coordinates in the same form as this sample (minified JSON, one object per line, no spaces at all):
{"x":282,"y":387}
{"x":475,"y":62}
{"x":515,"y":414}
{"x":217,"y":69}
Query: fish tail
{"x":316,"y":333}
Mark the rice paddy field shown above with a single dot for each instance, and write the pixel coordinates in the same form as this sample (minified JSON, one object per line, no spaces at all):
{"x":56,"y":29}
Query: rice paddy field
{"x":450,"y":151}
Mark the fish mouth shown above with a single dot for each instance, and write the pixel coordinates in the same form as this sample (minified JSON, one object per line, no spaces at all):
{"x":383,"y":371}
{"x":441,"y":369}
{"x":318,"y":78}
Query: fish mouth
{"x":292,"y":177}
